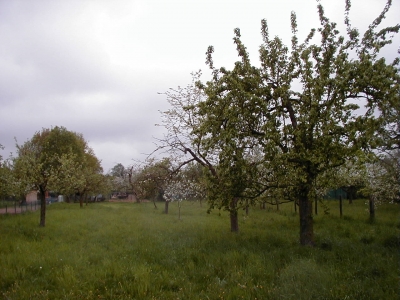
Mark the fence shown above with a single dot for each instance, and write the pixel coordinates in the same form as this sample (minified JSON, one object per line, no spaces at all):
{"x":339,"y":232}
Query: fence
{"x":15,"y":207}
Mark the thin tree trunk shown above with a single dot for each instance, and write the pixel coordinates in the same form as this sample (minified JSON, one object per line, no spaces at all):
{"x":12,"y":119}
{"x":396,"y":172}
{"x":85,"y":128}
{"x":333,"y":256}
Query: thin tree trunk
{"x":316,"y":206}
{"x":42,"y":193}
{"x":277,"y":204}
{"x":233,"y":214}
{"x":341,"y":205}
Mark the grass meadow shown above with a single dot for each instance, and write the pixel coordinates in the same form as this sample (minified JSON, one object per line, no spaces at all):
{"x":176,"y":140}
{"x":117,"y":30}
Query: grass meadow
{"x":133,"y":251}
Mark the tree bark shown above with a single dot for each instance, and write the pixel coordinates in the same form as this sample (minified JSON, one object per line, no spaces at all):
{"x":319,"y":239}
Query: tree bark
{"x":42,"y":193}
{"x":306,"y":218}
{"x":341,"y":205}
{"x":233,"y":214}
{"x":166,"y":207}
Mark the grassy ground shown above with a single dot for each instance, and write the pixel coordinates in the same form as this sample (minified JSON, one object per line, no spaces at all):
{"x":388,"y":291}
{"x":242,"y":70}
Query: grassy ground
{"x":132,"y":251}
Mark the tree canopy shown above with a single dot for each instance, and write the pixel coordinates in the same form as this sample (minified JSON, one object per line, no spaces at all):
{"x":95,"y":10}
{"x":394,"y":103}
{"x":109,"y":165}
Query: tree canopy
{"x":55,"y":160}
{"x":307,"y":109}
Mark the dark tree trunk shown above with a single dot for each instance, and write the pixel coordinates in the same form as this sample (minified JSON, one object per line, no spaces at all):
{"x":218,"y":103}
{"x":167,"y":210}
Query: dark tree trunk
{"x":166,"y":207}
{"x":306,"y":218}
{"x":371,"y":209}
{"x":341,"y":205}
{"x":262,"y":205}
{"x":277,"y":204}
{"x":316,"y":206}
{"x":233,"y":214}
{"x":42,"y":193}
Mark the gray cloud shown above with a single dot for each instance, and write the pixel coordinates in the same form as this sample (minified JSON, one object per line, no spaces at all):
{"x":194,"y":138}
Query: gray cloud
{"x":96,"y":67}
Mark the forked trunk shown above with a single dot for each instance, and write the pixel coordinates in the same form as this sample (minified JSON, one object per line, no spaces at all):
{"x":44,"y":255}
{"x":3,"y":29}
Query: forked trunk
{"x":42,"y":193}
{"x":233,"y":214}
{"x":306,"y":218}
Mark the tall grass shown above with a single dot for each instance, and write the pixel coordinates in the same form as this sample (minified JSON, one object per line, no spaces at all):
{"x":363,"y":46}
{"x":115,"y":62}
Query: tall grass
{"x":132,"y":251}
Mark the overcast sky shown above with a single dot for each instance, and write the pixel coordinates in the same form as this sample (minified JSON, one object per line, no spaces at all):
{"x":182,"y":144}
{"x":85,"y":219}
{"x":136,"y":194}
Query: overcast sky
{"x":96,"y":67}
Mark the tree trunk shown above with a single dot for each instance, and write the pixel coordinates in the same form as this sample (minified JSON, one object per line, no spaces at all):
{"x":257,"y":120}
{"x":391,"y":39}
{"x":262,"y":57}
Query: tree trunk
{"x":371,"y":209}
{"x":341,"y":205}
{"x":42,"y":193}
{"x":166,"y":207}
{"x":277,"y":204}
{"x":263,"y":205}
{"x":316,"y":206}
{"x":306,"y":218}
{"x":233,"y":214}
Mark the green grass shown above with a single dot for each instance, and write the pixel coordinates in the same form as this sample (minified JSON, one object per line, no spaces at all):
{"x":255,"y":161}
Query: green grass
{"x":132,"y":251}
